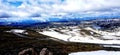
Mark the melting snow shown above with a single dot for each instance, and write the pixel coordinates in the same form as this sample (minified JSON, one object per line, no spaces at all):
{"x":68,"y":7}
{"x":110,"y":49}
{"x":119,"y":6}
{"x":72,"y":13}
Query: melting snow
{"x":100,"y":52}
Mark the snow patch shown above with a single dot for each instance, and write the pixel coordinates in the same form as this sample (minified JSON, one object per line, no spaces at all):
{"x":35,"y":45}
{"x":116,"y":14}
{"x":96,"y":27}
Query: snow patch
{"x":56,"y":35}
{"x":17,"y":30}
{"x":100,"y":52}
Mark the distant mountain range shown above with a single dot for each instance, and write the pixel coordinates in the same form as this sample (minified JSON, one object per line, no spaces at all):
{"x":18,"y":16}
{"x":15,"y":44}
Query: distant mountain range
{"x":110,"y":23}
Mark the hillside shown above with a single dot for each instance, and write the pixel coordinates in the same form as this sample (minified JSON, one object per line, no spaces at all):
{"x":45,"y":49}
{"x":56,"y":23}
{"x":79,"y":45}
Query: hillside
{"x":13,"y":42}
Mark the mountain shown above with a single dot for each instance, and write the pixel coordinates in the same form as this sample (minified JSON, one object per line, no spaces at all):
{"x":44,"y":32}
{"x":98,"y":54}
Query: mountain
{"x":89,"y":31}
{"x":67,"y":36}
{"x":97,"y":31}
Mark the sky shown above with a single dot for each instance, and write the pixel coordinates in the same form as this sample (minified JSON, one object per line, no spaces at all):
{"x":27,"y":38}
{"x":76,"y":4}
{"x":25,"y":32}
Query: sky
{"x":49,"y":10}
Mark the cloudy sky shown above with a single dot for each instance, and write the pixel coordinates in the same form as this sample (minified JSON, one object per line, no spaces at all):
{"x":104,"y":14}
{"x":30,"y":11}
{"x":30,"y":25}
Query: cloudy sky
{"x":46,"y":10}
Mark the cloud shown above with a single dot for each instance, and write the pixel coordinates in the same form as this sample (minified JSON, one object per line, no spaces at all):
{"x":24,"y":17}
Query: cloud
{"x":59,"y":9}
{"x":4,"y":15}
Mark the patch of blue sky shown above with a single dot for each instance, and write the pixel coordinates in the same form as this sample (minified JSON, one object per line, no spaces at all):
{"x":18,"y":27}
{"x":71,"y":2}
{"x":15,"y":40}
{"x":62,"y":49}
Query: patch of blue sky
{"x":15,"y":3}
{"x":12,"y":3}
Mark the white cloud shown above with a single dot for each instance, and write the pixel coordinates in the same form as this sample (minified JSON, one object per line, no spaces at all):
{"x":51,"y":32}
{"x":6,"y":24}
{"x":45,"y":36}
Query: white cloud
{"x":60,"y":8}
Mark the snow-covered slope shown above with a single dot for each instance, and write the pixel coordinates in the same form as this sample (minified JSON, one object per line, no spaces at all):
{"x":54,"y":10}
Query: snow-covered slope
{"x":84,"y":35}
